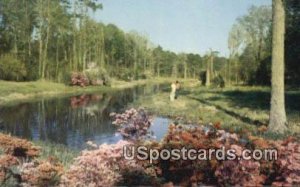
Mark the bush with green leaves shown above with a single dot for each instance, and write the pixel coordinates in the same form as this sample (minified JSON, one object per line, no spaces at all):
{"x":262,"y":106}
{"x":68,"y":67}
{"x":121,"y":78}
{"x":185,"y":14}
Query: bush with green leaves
{"x":125,"y":74}
{"x":98,"y":76}
{"x":218,"y":81}
{"x":11,"y":68}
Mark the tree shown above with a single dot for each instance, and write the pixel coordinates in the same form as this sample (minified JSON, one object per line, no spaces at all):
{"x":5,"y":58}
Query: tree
{"x":292,"y":40}
{"x":210,"y":66}
{"x":249,"y":44}
{"x":234,"y":43}
{"x":278,"y":120}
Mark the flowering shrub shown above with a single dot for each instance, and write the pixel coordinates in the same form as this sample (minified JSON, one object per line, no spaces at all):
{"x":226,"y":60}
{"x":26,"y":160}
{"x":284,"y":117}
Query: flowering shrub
{"x":240,"y":173}
{"x":18,"y":147}
{"x":6,"y":162}
{"x":133,"y":124}
{"x":288,"y":163}
{"x":227,"y":172}
{"x":97,"y":167}
{"x":79,"y":79}
{"x":41,"y":173}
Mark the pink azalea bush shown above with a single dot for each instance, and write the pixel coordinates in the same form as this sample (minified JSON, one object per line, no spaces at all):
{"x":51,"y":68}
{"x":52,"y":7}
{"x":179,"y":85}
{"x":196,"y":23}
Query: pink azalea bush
{"x":288,"y":163}
{"x":101,"y":166}
{"x":79,"y":79}
{"x":133,"y":124}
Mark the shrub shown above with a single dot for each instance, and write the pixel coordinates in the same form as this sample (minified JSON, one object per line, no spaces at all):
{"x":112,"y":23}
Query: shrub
{"x":146,"y":75}
{"x":99,"y":167}
{"x":98,"y":76}
{"x":79,"y":79}
{"x":133,"y":124}
{"x":288,"y":163}
{"x":11,"y":68}
{"x":41,"y":173}
{"x":283,"y":172}
{"x":125,"y":74}
{"x":218,"y":81}
{"x":18,"y":147}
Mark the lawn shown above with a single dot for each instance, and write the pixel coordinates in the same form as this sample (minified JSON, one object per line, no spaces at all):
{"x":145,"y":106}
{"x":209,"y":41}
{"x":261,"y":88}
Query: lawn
{"x":236,"y":108}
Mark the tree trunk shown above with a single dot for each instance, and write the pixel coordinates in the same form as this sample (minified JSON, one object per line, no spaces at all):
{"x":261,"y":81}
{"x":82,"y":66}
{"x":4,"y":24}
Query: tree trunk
{"x":158,"y":70}
{"x":236,"y":72}
{"x":185,"y":69}
{"x":207,"y":83}
{"x":212,"y":73}
{"x":174,"y":71}
{"x":40,"y":53}
{"x":278,"y":121}
{"x":56,"y":59}
{"x":45,"y":53}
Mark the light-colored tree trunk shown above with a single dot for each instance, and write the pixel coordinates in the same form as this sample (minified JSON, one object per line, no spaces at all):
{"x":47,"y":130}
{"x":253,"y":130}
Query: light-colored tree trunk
{"x":185,"y":69}
{"x":229,"y":73}
{"x":278,"y":120}
{"x":158,"y":70}
{"x":236,"y":71}
{"x":174,"y":70}
{"x":45,"y":57}
{"x":212,"y":73}
{"x":207,"y":83}
{"x":57,"y":59}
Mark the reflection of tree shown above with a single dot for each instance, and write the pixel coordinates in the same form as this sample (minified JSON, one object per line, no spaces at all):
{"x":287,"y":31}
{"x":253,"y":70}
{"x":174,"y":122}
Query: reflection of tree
{"x":71,"y":121}
{"x":8,"y":117}
{"x":84,"y":100}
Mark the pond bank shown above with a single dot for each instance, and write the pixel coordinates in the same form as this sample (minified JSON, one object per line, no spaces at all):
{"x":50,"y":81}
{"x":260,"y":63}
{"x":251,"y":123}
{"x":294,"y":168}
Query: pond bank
{"x":12,"y":92}
{"x":237,"y":109}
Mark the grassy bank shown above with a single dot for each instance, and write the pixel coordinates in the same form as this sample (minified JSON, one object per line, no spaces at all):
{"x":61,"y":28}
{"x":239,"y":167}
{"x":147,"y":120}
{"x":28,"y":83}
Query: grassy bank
{"x":12,"y":92}
{"x":236,"y":108}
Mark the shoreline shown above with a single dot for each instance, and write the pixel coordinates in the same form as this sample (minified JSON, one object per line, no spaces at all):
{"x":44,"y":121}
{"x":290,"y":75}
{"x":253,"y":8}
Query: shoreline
{"x":18,"y":92}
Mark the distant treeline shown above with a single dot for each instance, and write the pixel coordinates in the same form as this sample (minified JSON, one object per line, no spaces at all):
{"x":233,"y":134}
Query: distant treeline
{"x":49,"y":39}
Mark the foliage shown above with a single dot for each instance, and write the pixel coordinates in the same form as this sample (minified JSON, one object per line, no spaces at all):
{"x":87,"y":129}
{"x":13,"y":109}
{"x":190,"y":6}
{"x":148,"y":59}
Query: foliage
{"x":106,"y":166}
{"x":240,"y":173}
{"x":11,"y":68}
{"x":125,"y":74}
{"x":41,"y":173}
{"x":218,"y":81}
{"x":48,"y":39}
{"x":79,"y":79}
{"x":99,"y":167}
{"x":133,"y":124}
{"x":223,"y":172}
{"x":18,"y":147}
{"x":249,"y":42}
{"x":97,"y":76}
{"x":288,"y":163}
{"x":7,"y":162}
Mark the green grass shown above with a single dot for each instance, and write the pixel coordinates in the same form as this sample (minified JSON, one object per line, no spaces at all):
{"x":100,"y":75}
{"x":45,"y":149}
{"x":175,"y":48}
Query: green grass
{"x":11,"y":92}
{"x":15,"y":92}
{"x":64,"y":154}
{"x":237,"y":108}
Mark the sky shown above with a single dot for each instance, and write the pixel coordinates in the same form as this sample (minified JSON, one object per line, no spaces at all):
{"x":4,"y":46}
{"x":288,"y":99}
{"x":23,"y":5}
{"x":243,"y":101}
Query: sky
{"x":192,"y":26}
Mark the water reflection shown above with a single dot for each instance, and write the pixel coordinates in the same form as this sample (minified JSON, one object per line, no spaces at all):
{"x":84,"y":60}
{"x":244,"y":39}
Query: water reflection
{"x":72,"y":120}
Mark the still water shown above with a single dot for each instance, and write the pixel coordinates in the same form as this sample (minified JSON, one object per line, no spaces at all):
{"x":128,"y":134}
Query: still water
{"x":74,"y":120}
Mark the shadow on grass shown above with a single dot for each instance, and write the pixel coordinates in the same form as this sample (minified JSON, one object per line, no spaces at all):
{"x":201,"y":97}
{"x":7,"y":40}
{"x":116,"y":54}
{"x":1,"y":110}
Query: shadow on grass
{"x":261,"y":99}
{"x":254,"y":99}
{"x":250,"y":99}
{"x":231,"y":113}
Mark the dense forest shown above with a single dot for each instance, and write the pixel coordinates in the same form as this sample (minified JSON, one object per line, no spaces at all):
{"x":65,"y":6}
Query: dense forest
{"x":49,"y":39}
